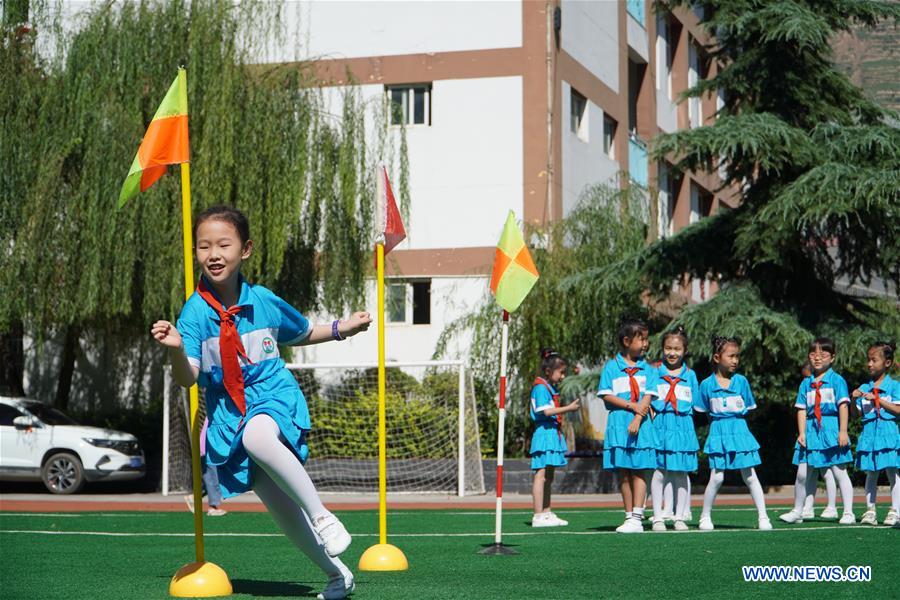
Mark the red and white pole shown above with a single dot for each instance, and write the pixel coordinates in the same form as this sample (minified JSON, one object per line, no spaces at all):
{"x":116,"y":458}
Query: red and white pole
{"x":498,"y":547}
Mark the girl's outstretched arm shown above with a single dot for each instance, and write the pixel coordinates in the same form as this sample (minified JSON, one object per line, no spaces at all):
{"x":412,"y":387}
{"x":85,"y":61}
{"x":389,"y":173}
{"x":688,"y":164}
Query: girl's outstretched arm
{"x":168,"y":337}
{"x":573,"y":405}
{"x":357,"y":322}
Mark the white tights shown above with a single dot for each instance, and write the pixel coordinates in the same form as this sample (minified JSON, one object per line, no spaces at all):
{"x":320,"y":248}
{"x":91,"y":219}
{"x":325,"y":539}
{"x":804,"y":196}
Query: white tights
{"x":671,"y":493}
{"x":840,"y":477}
{"x":716,"y":477}
{"x":803,"y":500}
{"x":284,"y":486}
{"x":893,"y":476}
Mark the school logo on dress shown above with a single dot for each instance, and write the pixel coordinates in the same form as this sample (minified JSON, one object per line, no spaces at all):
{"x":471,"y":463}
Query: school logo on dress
{"x":268,"y":345}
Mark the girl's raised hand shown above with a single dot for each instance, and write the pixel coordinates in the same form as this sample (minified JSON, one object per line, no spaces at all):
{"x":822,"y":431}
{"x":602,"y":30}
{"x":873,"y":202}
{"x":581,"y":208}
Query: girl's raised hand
{"x":575,"y":404}
{"x":166,"y":334}
{"x":856,"y":393}
{"x":358,"y":321}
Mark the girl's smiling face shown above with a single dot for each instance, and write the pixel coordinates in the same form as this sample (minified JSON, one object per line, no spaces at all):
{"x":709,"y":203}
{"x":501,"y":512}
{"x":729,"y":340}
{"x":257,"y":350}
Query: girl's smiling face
{"x":673,"y":351}
{"x":633,"y":347}
{"x":221,"y":251}
{"x":820,"y":360}
{"x":558,"y":374}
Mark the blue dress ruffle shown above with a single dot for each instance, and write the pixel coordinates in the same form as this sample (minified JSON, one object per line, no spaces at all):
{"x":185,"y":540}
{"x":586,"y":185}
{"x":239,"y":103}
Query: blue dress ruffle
{"x":878,"y":446}
{"x":678,"y":442}
{"x":822,"y":449}
{"x":730,"y":445}
{"x":623,"y":451}
{"x":548,"y":447}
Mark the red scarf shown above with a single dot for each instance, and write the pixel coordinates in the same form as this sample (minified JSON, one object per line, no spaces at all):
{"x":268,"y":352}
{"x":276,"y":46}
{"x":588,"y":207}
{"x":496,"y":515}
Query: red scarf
{"x":877,"y":401}
{"x":230,"y":347}
{"x":670,"y":395}
{"x":633,"y":384}
{"x":554,"y":395}
{"x":816,"y":385}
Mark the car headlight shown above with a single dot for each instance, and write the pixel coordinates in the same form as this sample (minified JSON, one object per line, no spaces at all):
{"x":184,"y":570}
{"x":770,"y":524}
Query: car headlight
{"x":100,"y":443}
{"x":127,"y":447}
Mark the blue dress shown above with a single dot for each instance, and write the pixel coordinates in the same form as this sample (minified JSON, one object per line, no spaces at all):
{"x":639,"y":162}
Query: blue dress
{"x":822,"y":449}
{"x":729,"y":445}
{"x":269,"y":388}
{"x":879,"y":443}
{"x":675,"y":425}
{"x":621,"y":450}
{"x":548,"y":446}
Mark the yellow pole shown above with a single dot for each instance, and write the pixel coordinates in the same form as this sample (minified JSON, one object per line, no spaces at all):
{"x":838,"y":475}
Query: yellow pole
{"x":382,"y":391}
{"x":198,"y":579}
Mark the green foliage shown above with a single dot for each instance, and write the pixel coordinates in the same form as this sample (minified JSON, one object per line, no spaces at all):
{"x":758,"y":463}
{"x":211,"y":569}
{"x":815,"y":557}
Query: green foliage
{"x":579,"y":321}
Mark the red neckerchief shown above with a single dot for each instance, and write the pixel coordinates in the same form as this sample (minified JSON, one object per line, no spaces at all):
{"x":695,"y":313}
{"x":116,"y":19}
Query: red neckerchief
{"x":230,"y":347}
{"x":554,"y":395}
{"x":816,"y":385}
{"x":670,"y":395}
{"x":633,"y":384}
{"x":877,"y":401}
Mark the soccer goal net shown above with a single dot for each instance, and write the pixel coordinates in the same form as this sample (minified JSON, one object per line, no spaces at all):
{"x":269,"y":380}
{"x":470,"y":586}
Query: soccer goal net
{"x":431,"y":422}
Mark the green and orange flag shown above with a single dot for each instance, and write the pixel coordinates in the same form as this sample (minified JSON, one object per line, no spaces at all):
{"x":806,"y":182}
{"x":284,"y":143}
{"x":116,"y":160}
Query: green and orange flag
{"x":514,"y":272}
{"x":164,"y":144}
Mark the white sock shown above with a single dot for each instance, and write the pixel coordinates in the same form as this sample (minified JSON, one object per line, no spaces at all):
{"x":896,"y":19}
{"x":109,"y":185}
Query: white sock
{"x":657,"y":495}
{"x":801,"y":498}
{"x":716,"y":478}
{"x":871,"y":489}
{"x":830,"y":489}
{"x":846,"y":486}
{"x":680,"y":482}
{"x":638,"y":513}
{"x":628,"y":514}
{"x":756,"y":491}
{"x":294,"y":522}
{"x":265,"y":446}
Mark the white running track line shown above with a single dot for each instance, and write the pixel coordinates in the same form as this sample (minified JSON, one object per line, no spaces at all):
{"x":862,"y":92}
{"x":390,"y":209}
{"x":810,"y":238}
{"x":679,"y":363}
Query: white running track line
{"x":421,"y":535}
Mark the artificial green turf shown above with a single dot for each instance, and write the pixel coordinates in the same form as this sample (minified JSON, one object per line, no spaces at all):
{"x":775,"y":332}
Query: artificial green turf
{"x":583,"y":560}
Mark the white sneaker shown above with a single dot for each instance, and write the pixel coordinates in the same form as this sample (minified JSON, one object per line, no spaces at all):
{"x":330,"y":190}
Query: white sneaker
{"x":632,"y":525}
{"x":765,"y":524}
{"x":829,"y":512}
{"x":891,"y":519}
{"x":807,"y":514}
{"x":792,"y":517}
{"x":555,"y":518}
{"x":668,"y":517}
{"x":215,"y":511}
{"x":869,"y":518}
{"x":706,"y":524}
{"x":189,"y":500}
{"x":680,"y":526}
{"x":338,"y":587}
{"x":333,"y":533}
{"x":659,"y":525}
{"x":688,"y":516}
{"x":847,"y":519}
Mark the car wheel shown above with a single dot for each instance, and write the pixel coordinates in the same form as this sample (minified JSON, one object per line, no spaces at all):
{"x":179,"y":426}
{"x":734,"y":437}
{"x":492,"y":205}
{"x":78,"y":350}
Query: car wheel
{"x":63,"y":474}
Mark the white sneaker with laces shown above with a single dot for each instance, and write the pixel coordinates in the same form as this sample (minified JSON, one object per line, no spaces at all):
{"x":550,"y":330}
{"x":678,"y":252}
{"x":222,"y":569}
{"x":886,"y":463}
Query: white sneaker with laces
{"x":869,"y":518}
{"x":765,"y":524}
{"x":792,"y":517}
{"x":338,"y":587}
{"x":847,"y":519}
{"x":659,"y":525}
{"x":706,"y":524}
{"x":547,"y":519}
{"x":807,"y":514}
{"x":681,"y":526}
{"x":829,"y":512}
{"x":891,"y":519}
{"x":632,"y":525}
{"x":333,"y":533}
{"x":555,"y":518}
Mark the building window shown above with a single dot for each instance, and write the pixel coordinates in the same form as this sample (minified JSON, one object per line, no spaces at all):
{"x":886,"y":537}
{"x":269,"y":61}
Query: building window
{"x":609,"y":136}
{"x":410,"y":104}
{"x":408,"y":302}
{"x":635,"y":8}
{"x":578,"y":121}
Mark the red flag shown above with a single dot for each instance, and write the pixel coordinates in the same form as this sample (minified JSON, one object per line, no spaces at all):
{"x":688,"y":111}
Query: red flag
{"x":393,"y":230}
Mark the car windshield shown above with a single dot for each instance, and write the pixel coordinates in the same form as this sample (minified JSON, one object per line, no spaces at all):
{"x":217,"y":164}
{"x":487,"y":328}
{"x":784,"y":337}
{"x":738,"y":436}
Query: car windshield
{"x":49,"y":415}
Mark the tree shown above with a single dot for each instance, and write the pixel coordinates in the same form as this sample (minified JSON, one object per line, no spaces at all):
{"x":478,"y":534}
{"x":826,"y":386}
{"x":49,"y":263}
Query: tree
{"x":261,"y":139}
{"x":814,"y":163}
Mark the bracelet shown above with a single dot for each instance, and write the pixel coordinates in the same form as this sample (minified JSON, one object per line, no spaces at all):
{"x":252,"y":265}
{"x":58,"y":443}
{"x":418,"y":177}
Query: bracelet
{"x":334,"y":331}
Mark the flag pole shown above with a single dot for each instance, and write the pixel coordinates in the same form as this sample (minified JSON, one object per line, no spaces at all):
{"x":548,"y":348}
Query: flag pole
{"x":498,"y":547}
{"x":382,"y":556}
{"x":200,"y":578}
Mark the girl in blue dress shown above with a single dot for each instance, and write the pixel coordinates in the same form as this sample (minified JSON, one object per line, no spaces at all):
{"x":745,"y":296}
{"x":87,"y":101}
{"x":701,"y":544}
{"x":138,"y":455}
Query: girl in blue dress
{"x":726,"y":397}
{"x":878,"y":448}
{"x":226,"y":341}
{"x":548,"y":443}
{"x":823,"y":408}
{"x":677,"y":388}
{"x":627,"y":385}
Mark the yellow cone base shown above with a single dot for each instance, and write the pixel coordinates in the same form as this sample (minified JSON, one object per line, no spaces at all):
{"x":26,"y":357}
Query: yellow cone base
{"x":383,"y":557}
{"x":200,"y":580}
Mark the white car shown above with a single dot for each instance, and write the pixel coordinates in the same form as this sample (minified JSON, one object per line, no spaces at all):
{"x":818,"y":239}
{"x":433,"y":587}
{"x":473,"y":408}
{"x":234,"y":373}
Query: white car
{"x":39,"y":442}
